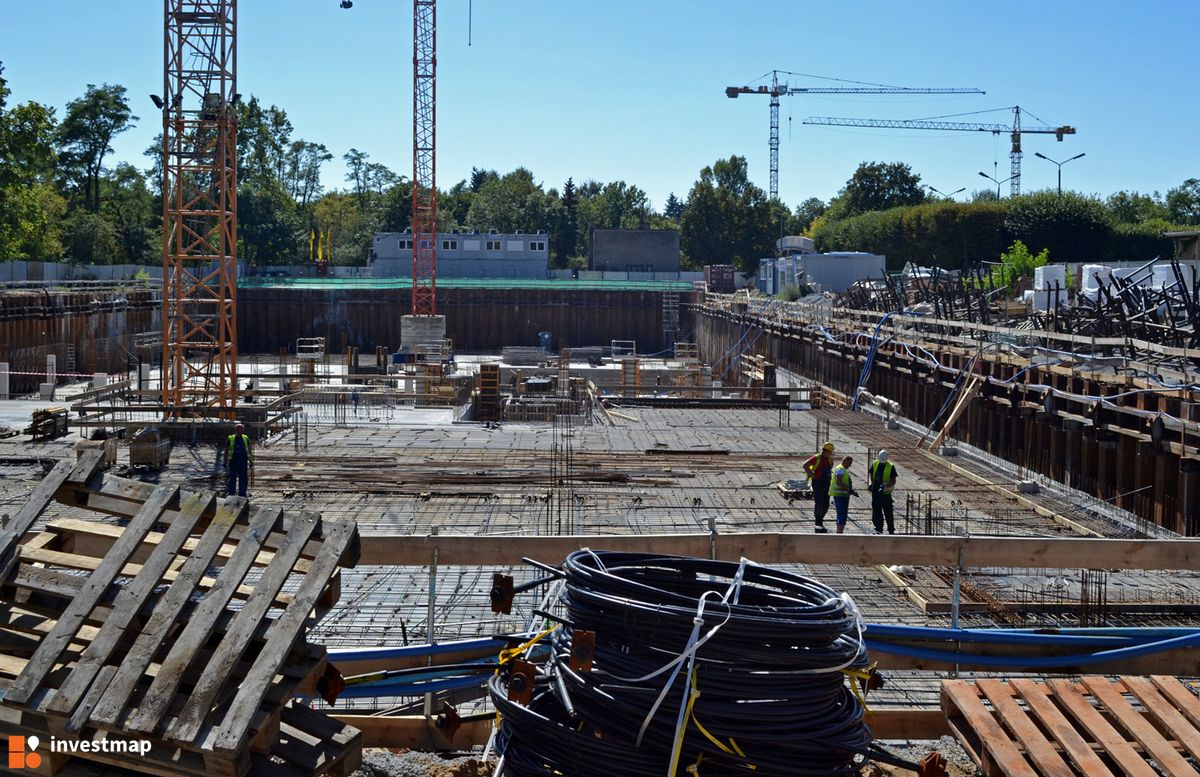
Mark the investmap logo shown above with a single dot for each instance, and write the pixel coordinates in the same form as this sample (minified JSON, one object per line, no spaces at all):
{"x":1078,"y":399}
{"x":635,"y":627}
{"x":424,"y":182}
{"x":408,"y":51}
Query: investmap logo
{"x":23,"y":754}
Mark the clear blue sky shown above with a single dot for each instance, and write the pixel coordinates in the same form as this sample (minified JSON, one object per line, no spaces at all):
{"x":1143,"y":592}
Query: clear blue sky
{"x":634,"y":89}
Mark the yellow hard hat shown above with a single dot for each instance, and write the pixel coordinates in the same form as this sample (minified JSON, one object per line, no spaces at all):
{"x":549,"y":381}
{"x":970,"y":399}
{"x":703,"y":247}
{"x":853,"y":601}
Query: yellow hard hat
{"x":827,"y":447}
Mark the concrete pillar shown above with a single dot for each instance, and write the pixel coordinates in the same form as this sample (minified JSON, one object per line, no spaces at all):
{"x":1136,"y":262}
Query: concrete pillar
{"x":143,"y":376}
{"x":3,"y":380}
{"x":51,"y":368}
{"x":99,"y":380}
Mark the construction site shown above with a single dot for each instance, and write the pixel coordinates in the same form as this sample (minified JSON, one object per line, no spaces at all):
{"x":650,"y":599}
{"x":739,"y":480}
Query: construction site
{"x":518,"y":527}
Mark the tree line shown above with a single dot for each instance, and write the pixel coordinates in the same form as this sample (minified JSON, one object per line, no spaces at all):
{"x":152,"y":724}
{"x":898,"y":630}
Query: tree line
{"x":63,"y":198}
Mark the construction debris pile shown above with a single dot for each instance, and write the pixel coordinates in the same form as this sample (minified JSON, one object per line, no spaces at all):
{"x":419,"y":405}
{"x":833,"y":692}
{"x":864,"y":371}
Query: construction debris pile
{"x":663,"y":664}
{"x":1157,"y":302}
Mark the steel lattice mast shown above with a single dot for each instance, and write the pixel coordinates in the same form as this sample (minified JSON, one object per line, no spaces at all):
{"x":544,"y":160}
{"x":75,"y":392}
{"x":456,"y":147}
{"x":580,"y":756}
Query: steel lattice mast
{"x":779,"y":89}
{"x":424,"y":189}
{"x":199,"y":205}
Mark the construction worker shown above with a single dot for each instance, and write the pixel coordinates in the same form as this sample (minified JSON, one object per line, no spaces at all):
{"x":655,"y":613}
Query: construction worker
{"x":883,"y":482}
{"x":819,"y":469}
{"x":238,"y":460}
{"x":841,"y":489}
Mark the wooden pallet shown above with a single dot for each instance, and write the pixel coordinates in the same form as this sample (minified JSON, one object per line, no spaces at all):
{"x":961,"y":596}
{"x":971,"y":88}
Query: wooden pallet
{"x":184,"y":627}
{"x":1137,"y":726}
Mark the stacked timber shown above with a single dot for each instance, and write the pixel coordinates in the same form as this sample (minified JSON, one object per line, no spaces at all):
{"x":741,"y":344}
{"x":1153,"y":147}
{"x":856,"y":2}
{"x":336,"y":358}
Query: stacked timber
{"x":169,"y":646}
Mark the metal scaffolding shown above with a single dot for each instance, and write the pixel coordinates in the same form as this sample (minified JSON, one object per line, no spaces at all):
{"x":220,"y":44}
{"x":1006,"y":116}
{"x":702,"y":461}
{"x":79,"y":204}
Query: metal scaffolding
{"x":199,"y":205}
{"x":424,"y":190}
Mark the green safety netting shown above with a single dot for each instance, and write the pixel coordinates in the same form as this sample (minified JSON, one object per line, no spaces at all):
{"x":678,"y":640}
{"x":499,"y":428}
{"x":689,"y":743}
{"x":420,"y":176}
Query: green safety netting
{"x":463,"y":283}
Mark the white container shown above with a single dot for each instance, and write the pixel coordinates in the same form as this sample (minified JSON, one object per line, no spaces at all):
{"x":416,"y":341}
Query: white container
{"x":1093,"y":276}
{"x":1042,"y":301}
{"x":1047,"y":276}
{"x":1164,"y":276}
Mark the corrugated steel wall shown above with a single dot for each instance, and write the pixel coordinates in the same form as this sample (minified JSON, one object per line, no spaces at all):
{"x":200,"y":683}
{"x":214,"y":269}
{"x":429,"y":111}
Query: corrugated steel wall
{"x":476,"y":319}
{"x":100,"y":324}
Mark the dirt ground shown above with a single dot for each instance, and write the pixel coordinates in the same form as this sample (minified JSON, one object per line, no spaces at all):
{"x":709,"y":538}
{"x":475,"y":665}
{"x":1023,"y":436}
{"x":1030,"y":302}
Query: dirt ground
{"x":411,"y":763}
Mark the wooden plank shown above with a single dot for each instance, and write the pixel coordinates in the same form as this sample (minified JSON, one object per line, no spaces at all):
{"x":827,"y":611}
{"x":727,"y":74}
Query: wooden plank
{"x":1037,"y":748}
{"x":89,"y":563}
{"x":113,"y":699}
{"x":1159,"y":707}
{"x":1183,"y":699}
{"x":996,"y":744}
{"x":1137,"y":725}
{"x":233,"y":644}
{"x":1094,"y":724}
{"x":94,"y":539}
{"x":128,"y":605}
{"x":89,"y":596}
{"x":36,"y":505}
{"x":120,"y":497}
{"x":797,"y":547}
{"x":1076,"y":748}
{"x":282,"y":635}
{"x":317,"y":744}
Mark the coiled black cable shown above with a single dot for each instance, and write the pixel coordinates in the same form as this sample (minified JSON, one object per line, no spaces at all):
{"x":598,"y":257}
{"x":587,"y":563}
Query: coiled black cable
{"x":760,"y":687}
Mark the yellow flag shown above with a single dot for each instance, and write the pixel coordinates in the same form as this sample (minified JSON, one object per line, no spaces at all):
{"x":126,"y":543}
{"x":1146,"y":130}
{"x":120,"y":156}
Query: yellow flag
{"x":311,"y":236}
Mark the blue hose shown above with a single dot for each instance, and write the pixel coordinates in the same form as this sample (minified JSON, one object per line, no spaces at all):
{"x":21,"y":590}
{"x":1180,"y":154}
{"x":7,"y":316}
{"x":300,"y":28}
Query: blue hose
{"x":1037,"y":662}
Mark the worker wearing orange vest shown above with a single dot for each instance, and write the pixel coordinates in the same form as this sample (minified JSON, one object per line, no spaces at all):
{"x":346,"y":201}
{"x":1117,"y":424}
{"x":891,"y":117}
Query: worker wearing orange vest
{"x":238,"y":460}
{"x":819,"y":470}
{"x":883,"y":482}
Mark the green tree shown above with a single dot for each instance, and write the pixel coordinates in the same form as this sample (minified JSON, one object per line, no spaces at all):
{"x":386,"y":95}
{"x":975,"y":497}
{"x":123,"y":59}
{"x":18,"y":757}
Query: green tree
{"x":31,"y":210}
{"x":269,"y":224}
{"x":86,"y":134}
{"x":566,"y":231}
{"x":135,"y":213}
{"x":1017,"y":262}
{"x":90,"y":238}
{"x":1134,"y":207}
{"x":1183,"y":203}
{"x":806,"y":213}
{"x":728,"y":220}
{"x":510,"y":203}
{"x":1073,"y":227}
{"x":673,"y":209}
{"x":877,"y":186}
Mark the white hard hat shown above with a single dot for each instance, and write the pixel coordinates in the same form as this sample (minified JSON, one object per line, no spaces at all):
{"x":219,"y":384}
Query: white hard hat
{"x":883,"y":456}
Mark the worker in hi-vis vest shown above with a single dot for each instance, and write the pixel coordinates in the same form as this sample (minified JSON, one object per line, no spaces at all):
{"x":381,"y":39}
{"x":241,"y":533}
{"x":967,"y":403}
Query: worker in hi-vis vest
{"x":819,"y":469}
{"x":883,"y":482}
{"x":841,"y":488}
{"x":238,"y":460}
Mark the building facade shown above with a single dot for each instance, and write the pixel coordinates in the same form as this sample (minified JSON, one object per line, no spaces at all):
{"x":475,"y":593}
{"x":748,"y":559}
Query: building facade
{"x":635,"y":250}
{"x":466,"y":255}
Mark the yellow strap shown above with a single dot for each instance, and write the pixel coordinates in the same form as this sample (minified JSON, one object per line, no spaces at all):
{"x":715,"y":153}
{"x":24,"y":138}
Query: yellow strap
{"x":860,"y":674}
{"x":733,"y":749}
{"x":508,"y":654}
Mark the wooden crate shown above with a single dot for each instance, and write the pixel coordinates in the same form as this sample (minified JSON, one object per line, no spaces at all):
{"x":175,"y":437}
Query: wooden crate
{"x":175,"y":628}
{"x":150,"y":448}
{"x":49,"y":423}
{"x":1139,"y":726}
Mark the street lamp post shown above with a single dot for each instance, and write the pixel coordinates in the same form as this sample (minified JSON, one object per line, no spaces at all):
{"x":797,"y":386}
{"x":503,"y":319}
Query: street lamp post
{"x":1040,"y":155}
{"x":942,"y":194}
{"x":993,"y":180}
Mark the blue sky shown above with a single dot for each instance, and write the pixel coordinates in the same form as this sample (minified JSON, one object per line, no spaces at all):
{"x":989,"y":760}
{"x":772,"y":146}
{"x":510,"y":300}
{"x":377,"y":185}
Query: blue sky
{"x":621,"y":89}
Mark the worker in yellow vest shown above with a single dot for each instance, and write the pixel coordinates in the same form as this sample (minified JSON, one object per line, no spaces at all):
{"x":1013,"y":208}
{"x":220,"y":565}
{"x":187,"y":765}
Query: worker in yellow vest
{"x":841,"y":489}
{"x":883,"y":482}
{"x":238,"y":460}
